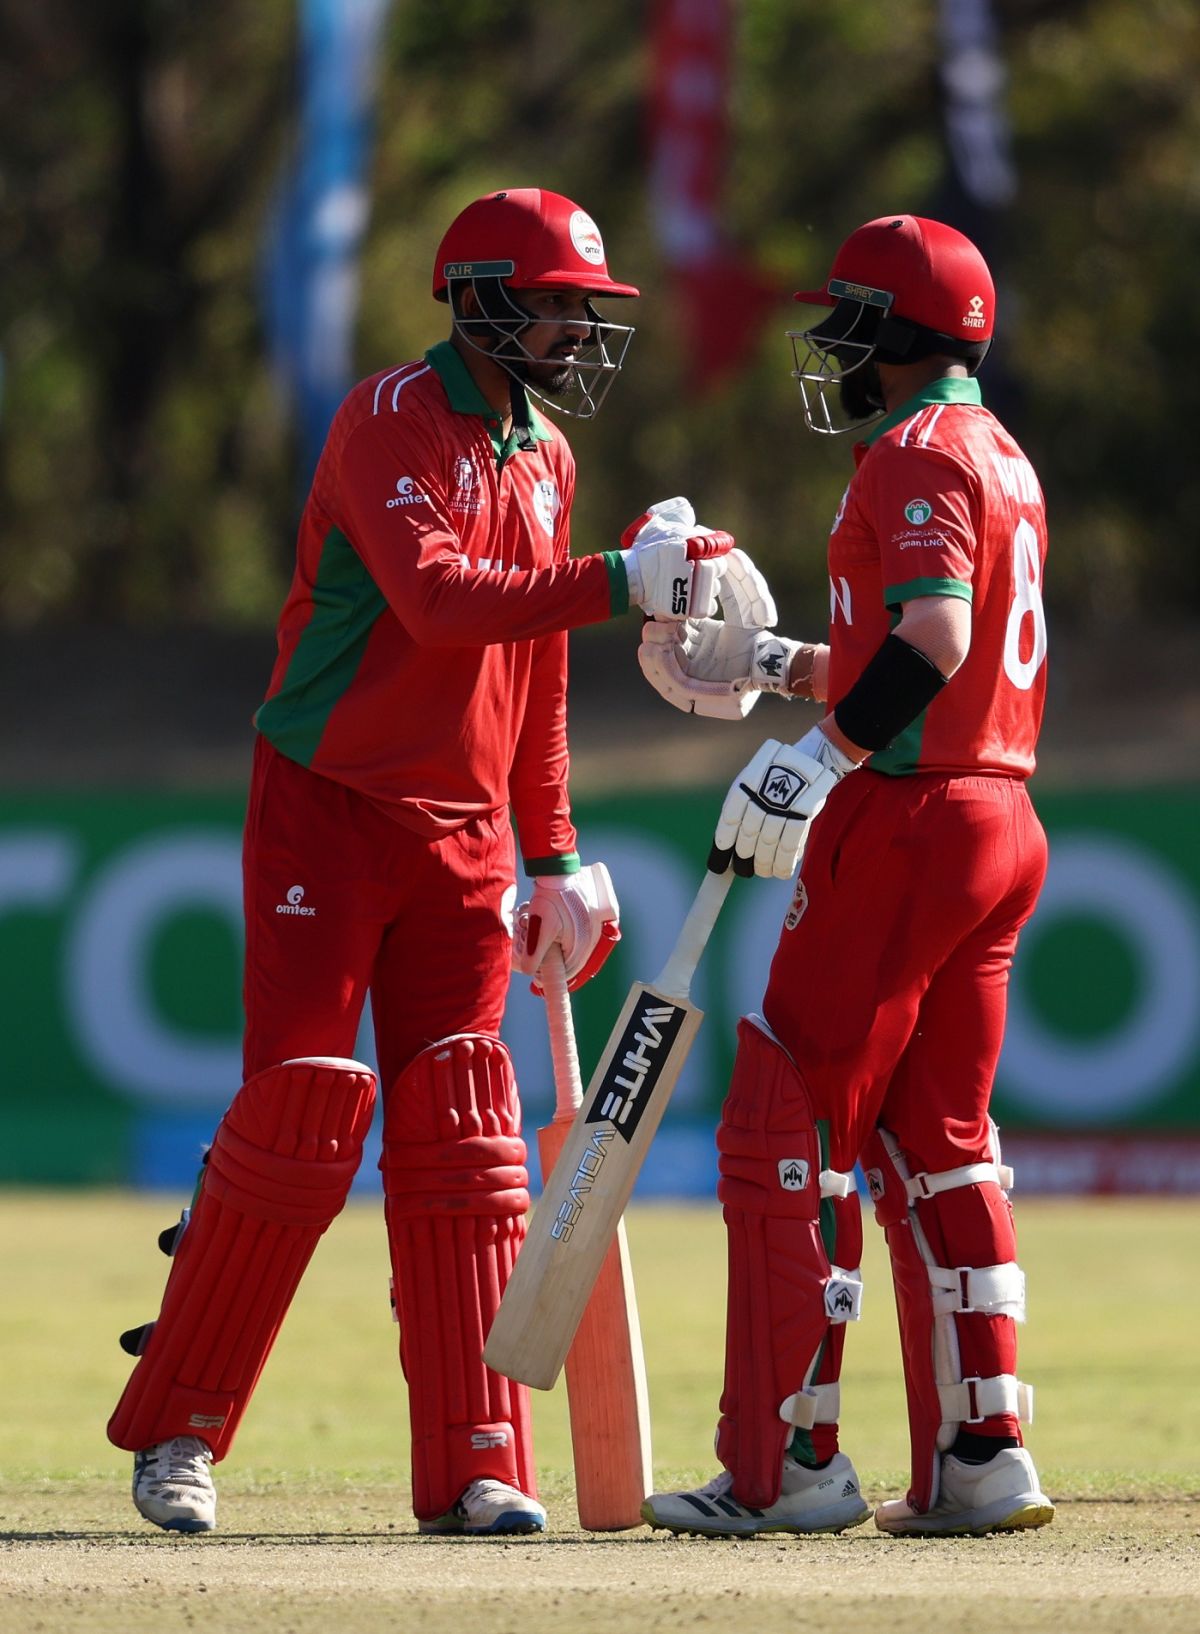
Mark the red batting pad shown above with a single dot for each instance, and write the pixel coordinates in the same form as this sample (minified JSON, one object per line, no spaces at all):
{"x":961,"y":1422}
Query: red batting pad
{"x":967,"y":1226}
{"x":456,"y":1193}
{"x":777,"y":1262}
{"x":278,"y":1172}
{"x":973,"y":1226}
{"x":914,"y":1311}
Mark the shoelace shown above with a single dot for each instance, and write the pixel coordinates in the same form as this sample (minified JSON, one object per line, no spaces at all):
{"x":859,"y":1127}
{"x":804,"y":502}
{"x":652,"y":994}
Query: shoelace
{"x":182,"y":1462}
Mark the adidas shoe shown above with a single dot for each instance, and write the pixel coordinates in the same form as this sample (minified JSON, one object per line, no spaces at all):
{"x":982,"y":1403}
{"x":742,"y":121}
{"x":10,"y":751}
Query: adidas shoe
{"x":1002,"y":1495}
{"x":489,"y":1509}
{"x":810,"y":1500}
{"x":172,"y":1486}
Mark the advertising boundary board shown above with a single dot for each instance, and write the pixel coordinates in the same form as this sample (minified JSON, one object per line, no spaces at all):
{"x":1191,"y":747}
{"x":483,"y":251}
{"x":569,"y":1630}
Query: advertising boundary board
{"x":120,"y":946}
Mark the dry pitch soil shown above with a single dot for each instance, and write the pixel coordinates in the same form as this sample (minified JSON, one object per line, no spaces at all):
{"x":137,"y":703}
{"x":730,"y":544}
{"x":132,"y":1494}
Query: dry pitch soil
{"x":344,"y":1562}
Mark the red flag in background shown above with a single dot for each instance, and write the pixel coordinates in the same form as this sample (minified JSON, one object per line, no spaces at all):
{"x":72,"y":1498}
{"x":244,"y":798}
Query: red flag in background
{"x":725,"y":296}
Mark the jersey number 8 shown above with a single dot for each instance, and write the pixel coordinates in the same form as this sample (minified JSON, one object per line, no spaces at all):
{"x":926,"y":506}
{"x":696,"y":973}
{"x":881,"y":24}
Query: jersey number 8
{"x":1027,"y":599}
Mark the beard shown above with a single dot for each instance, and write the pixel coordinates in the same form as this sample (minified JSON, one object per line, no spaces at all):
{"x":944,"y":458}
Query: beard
{"x":861,"y":393}
{"x":551,"y":375}
{"x":554,"y":376}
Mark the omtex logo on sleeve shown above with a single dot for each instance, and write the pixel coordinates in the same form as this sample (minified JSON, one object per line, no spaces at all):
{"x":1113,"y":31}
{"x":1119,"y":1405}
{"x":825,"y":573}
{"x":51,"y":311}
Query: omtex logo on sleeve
{"x":636,"y":1066}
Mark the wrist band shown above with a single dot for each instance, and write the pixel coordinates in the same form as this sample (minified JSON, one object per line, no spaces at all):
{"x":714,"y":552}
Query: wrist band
{"x":897,"y":685}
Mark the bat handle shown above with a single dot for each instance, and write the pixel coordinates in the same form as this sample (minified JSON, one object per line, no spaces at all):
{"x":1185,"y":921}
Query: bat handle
{"x":568,"y":1085}
{"x":676,"y":975}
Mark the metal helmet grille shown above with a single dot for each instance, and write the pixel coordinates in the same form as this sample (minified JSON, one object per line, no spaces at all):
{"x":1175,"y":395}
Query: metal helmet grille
{"x":590,"y":374}
{"x":826,"y":354}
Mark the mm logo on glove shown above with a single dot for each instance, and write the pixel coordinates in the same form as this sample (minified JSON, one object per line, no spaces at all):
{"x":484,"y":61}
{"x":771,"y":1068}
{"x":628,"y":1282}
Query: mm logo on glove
{"x":636,"y":1066}
{"x":779,"y":789}
{"x":679,"y":598}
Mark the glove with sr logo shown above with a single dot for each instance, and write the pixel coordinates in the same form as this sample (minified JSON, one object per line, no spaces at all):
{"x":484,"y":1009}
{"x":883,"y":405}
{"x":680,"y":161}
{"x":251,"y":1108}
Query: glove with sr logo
{"x":579,"y":912}
{"x":766,"y":816}
{"x":671,"y":563}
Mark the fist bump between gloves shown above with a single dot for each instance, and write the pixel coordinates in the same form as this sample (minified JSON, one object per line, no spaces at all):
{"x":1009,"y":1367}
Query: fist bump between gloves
{"x":717,"y":667}
{"x":578,"y":912}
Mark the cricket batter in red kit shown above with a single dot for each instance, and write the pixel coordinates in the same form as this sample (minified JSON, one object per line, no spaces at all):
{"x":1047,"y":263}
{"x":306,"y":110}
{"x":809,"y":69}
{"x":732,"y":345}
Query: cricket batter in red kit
{"x":884,"y":1012}
{"x":418,"y":699}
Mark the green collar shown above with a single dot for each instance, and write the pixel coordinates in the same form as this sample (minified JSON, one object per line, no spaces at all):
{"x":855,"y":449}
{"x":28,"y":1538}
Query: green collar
{"x":950,"y":389}
{"x":465,"y":397}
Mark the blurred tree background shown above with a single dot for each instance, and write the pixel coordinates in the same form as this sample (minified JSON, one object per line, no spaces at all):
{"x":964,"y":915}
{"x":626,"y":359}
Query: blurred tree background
{"x":149,"y":471}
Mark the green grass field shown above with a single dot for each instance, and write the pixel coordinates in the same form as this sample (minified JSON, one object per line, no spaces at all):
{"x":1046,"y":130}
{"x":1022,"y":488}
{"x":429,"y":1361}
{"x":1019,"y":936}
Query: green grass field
{"x":1110,"y":1348}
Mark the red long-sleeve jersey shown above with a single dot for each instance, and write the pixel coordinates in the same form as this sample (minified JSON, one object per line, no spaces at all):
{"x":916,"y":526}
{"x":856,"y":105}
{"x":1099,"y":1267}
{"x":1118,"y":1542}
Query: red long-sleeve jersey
{"x":422,"y":646}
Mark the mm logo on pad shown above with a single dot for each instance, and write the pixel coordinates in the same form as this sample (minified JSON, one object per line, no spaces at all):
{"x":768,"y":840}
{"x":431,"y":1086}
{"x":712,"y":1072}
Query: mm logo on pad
{"x":636,"y":1066}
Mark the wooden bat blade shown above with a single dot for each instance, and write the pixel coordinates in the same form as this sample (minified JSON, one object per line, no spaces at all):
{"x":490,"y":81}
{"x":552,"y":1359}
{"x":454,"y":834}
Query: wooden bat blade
{"x":585,"y":1196}
{"x":606,"y":1385}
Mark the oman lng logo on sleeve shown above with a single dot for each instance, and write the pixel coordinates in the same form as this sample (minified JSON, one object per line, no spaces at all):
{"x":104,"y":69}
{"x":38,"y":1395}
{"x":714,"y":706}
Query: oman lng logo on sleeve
{"x":636,"y":1066}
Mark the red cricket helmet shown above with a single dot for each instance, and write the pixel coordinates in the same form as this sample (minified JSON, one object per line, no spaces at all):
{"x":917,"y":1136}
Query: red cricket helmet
{"x":902,"y":288}
{"x":528,"y":238}
{"x":935,"y":276}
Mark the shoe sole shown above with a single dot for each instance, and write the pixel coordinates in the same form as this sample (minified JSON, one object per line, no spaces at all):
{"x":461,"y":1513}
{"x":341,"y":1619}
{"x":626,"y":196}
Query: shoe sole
{"x":976,"y":1523}
{"x":504,"y":1527}
{"x":181,"y":1525}
{"x":687,"y":1528}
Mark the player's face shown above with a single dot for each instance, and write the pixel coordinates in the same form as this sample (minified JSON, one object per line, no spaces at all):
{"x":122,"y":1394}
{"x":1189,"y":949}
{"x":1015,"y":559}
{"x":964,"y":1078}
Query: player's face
{"x":560,"y":332}
{"x":861,"y":392}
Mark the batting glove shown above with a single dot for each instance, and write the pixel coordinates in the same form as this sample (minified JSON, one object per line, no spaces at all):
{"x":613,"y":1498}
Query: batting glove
{"x":672,"y":564}
{"x":578,"y":912}
{"x":765,"y":820}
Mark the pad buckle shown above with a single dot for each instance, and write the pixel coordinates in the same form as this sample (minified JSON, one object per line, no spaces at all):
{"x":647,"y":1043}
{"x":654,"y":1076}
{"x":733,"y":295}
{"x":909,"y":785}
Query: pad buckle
{"x":974,"y":1416}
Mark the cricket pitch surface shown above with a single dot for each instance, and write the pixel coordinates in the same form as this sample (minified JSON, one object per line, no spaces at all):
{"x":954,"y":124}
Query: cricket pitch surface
{"x":351,"y":1562}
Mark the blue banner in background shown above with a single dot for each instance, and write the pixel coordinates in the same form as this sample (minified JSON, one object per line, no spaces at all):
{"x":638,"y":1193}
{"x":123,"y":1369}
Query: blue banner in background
{"x":310,"y":274}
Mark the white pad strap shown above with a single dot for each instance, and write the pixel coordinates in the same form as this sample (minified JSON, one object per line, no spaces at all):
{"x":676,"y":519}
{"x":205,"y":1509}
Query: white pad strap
{"x":994,"y":1290}
{"x":835,"y":1184}
{"x":816,"y":1404}
{"x":972,"y":1400}
{"x":843,"y":1295}
{"x":971,"y":1174}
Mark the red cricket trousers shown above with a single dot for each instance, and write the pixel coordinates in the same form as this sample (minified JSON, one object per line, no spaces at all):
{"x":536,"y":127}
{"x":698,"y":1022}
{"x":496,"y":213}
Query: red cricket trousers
{"x":341,"y":899}
{"x":889,"y":987}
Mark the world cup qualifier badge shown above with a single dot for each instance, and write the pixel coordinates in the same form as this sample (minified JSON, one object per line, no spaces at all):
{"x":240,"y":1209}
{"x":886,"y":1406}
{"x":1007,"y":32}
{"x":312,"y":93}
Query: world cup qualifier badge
{"x":798,"y":908}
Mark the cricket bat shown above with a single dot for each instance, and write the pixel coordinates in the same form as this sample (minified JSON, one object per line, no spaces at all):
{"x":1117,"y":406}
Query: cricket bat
{"x":585,"y":1197}
{"x":606,"y":1370}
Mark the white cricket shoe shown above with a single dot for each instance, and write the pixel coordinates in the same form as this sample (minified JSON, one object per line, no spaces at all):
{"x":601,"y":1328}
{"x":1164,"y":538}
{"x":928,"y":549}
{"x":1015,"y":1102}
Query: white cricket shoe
{"x":172,"y":1486}
{"x":1002,"y":1495}
{"x":489,"y":1509}
{"x":810,"y":1500}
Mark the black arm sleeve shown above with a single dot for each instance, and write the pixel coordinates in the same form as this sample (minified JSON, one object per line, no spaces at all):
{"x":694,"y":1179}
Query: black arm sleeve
{"x":891,"y":692}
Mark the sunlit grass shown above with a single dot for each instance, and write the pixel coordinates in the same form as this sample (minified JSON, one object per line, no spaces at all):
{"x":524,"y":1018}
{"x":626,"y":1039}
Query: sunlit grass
{"x":1109,"y":1348}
